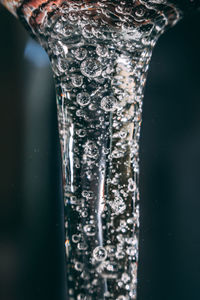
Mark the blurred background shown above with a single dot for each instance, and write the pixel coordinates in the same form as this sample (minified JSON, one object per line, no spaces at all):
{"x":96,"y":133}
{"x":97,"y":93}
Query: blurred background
{"x":31,"y":215}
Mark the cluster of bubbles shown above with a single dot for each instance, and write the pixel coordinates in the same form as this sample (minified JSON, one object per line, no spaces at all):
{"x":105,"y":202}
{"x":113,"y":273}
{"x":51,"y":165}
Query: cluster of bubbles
{"x":100,"y":52}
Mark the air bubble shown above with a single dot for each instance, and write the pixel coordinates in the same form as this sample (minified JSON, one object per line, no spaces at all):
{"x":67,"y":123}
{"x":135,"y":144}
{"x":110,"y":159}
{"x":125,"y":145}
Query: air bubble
{"x":102,"y":50}
{"x":109,"y":103}
{"x":132,"y":241}
{"x":121,"y":298}
{"x":132,"y":294}
{"x":120,"y":284}
{"x":84,"y":214}
{"x":90,"y":230}
{"x":87,"y":194}
{"x":111,"y":250}
{"x":81,"y":297}
{"x":91,"y":149}
{"x":131,"y":185}
{"x":81,"y":132}
{"x":76,"y":238}
{"x":83,"y":99}
{"x":100,"y":253}
{"x":62,"y":65}
{"x":77,"y":81}
{"x":87,"y":32}
{"x":80,"y":53}
{"x":91,"y":68}
{"x":123,"y":134}
{"x":78,"y":266}
{"x":64,"y":30}
{"x":73,"y":200}
{"x":118,"y":205}
{"x":82,"y":245}
{"x":73,"y":16}
{"x":57,"y":48}
{"x":120,"y":254}
{"x":140,"y":12}
{"x":125,"y":277}
{"x":80,"y":113}
{"x":131,"y":251}
{"x":92,"y":106}
{"x":89,"y":175}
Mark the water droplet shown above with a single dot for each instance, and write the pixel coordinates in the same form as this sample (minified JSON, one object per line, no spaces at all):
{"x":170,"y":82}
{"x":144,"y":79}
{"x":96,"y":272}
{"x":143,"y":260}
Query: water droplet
{"x":83,"y":99}
{"x":100,"y":253}
{"x":91,"y":68}
{"x":109,"y":103}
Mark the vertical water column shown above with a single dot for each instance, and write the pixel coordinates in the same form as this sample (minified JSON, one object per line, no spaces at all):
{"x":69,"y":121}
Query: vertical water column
{"x":100,"y":53}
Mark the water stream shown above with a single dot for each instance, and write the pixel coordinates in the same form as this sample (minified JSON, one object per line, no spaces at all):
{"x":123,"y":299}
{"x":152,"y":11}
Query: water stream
{"x":100,"y":53}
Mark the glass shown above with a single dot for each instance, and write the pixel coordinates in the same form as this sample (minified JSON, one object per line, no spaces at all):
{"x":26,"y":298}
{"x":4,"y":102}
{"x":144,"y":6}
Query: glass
{"x":100,"y":53}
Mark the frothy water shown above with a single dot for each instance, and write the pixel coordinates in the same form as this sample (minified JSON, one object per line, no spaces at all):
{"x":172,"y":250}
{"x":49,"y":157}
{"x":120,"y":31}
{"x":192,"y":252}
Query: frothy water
{"x":100,"y":53}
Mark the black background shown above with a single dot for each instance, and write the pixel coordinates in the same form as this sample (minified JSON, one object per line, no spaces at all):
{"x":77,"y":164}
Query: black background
{"x":31,"y":226}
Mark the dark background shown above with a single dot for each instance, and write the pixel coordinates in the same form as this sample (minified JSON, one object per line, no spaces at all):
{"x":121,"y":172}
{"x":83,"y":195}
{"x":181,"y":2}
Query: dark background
{"x":31,"y":226}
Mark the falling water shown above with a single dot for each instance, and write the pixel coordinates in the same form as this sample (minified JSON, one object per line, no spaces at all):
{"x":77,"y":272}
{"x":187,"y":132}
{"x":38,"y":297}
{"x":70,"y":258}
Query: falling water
{"x":100,"y":53}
